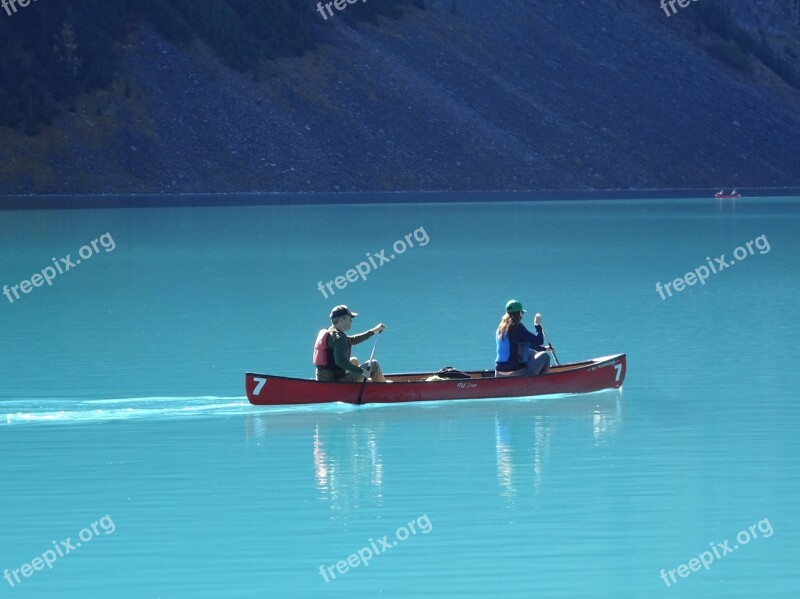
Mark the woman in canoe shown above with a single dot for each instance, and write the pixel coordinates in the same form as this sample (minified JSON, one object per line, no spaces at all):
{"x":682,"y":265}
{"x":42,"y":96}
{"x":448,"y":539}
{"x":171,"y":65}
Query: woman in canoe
{"x":332,"y":351}
{"x":520,"y":352}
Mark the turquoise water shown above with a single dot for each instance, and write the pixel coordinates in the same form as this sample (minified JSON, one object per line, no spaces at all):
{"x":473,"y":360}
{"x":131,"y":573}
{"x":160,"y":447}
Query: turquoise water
{"x":122,"y":404}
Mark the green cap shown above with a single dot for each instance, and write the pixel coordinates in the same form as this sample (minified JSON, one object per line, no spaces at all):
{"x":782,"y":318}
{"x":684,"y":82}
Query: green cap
{"x":514,"y":306}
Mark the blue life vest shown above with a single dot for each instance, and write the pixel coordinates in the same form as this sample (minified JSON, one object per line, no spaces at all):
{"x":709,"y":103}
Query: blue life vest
{"x":503,"y":349}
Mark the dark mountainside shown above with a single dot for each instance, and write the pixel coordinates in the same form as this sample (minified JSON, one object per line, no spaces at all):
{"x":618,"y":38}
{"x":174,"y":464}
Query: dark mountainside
{"x":498,"y":95}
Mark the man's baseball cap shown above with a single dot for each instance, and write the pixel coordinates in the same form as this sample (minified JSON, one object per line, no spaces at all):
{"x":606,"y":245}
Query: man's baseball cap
{"x":342,"y":311}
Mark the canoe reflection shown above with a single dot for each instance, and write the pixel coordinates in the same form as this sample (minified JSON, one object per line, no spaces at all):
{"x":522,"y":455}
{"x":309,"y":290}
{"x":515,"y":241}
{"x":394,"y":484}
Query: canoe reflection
{"x":517,"y":438}
{"x":359,"y":469}
{"x":348,"y":445}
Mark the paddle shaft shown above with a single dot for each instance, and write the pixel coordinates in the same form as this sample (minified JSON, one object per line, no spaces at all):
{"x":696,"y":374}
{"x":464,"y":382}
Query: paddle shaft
{"x":551,"y":345}
{"x":369,"y":362}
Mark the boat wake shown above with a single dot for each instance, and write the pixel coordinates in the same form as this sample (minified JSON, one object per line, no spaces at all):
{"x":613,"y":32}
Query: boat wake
{"x":72,"y":411}
{"x":49,"y":411}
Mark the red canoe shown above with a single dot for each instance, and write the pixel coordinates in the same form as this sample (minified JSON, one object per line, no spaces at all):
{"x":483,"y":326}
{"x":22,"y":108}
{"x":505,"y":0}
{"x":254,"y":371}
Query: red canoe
{"x":581,"y":377}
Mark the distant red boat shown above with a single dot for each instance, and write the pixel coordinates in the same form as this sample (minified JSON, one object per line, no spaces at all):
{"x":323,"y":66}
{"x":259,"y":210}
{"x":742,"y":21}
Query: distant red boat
{"x":581,"y":377}
{"x":721,"y":195}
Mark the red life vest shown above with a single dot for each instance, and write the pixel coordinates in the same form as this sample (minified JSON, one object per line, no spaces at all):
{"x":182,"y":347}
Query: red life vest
{"x":323,"y":353}
{"x":320,"y":358}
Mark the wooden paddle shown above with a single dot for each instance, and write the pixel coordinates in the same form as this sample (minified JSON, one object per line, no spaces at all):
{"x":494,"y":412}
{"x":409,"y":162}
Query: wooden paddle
{"x":366,"y":378}
{"x":551,"y":345}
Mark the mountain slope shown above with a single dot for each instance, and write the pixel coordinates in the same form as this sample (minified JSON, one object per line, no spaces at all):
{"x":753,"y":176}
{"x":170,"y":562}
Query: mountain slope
{"x":501,"y":95}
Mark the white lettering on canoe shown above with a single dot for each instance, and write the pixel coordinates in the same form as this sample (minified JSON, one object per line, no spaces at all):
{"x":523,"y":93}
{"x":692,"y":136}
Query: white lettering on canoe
{"x":261,"y":382}
{"x":616,"y":364}
{"x":467,"y":385}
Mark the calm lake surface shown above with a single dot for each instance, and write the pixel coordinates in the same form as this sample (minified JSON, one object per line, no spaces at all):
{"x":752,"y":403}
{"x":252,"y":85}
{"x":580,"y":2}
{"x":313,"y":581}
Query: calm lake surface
{"x":122,"y":403}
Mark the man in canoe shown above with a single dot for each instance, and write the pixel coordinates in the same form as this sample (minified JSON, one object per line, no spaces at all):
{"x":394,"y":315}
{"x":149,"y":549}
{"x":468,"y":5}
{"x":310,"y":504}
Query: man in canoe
{"x":332,"y":351}
{"x":520,"y":352}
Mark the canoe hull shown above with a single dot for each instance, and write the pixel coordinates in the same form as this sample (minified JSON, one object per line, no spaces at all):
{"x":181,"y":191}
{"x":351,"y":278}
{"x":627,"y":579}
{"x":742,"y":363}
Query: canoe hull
{"x":584,"y":377}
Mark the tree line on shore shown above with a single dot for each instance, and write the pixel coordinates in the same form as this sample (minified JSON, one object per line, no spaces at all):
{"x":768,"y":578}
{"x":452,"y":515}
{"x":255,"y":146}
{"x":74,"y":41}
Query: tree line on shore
{"x":51,"y":52}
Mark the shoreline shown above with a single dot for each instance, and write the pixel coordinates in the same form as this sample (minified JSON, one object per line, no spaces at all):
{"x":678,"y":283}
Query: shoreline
{"x":194,"y":200}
